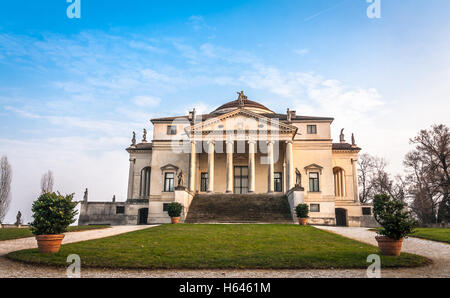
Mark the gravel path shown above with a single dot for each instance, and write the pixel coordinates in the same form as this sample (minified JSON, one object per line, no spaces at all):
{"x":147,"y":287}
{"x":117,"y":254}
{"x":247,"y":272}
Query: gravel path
{"x":438,"y":252}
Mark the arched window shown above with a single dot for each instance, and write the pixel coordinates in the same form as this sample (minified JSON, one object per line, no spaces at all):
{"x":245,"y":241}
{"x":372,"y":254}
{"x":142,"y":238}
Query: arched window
{"x":145,"y":182}
{"x":339,"y":182}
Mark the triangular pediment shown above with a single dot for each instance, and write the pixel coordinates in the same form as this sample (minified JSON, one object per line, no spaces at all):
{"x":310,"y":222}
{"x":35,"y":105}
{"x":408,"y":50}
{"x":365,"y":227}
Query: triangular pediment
{"x":242,"y":120}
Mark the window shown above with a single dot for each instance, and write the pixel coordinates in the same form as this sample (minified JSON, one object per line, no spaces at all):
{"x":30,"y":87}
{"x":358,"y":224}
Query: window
{"x":367,"y":211}
{"x":277,"y":183}
{"x":168,"y":182}
{"x":145,"y":182}
{"x":171,"y":130}
{"x":314,"y":207}
{"x":312,"y":129}
{"x":203,"y":181}
{"x":314,"y":182}
{"x":240,"y":180}
{"x":120,"y":209}
{"x":165,"y":207}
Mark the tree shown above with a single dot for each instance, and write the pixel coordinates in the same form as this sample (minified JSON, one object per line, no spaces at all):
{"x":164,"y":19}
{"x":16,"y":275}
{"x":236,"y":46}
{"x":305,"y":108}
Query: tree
{"x":5,"y":187}
{"x":365,"y":176}
{"x":47,"y":182}
{"x":429,"y":164}
{"x":374,"y":179}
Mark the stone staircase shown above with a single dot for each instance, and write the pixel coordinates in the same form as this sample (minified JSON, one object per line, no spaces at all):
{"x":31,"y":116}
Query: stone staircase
{"x":233,"y":208}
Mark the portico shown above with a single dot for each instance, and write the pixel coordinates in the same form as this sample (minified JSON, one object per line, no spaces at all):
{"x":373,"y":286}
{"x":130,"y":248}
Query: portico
{"x":234,"y":140}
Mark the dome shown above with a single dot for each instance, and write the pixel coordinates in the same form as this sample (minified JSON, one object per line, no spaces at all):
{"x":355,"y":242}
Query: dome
{"x":242,"y":101}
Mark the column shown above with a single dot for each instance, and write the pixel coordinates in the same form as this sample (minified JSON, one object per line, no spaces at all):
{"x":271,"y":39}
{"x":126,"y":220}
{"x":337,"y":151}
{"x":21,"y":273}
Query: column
{"x":271,"y":182}
{"x":131,"y":178}
{"x":290,"y":165}
{"x":355,"y":180}
{"x":251,"y":166}
{"x":229,"y":152}
{"x":210,"y":166}
{"x":192,"y":167}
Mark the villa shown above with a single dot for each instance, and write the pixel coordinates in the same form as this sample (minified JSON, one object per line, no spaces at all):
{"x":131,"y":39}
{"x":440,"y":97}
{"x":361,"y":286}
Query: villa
{"x":240,"y":163}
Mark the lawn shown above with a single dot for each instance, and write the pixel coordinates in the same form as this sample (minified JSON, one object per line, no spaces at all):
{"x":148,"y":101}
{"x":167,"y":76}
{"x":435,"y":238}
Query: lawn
{"x":186,"y":246}
{"x":435,"y":234}
{"x":16,"y":233}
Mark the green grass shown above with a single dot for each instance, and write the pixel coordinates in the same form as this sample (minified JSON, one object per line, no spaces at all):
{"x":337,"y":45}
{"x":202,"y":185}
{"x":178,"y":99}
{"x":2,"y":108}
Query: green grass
{"x":435,"y":234}
{"x":16,"y":233}
{"x":186,"y":246}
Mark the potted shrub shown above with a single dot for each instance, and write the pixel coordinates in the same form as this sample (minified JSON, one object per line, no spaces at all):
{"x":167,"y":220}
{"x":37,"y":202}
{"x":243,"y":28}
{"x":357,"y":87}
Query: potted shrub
{"x":52,"y":213}
{"x":174,"y":209}
{"x":396,"y":223}
{"x":302,"y":211}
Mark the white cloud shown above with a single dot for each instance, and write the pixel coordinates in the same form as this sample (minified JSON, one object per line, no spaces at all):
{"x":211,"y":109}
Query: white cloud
{"x":301,"y":52}
{"x":147,"y":101}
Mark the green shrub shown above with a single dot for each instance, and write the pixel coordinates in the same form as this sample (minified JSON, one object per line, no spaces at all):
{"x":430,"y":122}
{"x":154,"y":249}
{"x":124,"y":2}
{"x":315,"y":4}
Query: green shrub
{"x":393,"y":217}
{"x":53,"y":213}
{"x":302,"y":210}
{"x":174,"y":209}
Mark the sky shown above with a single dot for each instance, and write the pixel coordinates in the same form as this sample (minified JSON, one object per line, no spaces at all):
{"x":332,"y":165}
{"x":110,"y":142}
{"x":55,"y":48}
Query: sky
{"x":73,"y":90}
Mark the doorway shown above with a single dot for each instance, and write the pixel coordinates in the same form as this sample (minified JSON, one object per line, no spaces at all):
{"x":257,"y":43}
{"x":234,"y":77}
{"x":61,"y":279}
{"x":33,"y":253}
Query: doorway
{"x":143,"y":216}
{"x":240,"y":180}
{"x":341,"y":217}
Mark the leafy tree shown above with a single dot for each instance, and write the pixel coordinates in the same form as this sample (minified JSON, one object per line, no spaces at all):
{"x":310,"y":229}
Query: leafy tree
{"x":174,"y":209}
{"x":393,"y":216}
{"x":53,"y":213}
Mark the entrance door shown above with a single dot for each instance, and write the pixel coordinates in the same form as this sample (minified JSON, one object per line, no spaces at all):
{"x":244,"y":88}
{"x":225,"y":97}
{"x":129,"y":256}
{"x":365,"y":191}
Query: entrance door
{"x":240,"y":180}
{"x":341,"y":217}
{"x":143,"y":216}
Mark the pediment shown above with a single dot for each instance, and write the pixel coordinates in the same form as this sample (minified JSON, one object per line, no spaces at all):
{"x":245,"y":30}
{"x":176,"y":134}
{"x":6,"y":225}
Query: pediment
{"x":169,"y":167}
{"x":314,"y":167}
{"x":242,"y":120}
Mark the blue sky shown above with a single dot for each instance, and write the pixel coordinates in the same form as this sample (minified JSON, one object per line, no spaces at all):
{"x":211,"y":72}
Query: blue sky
{"x":73,"y":90}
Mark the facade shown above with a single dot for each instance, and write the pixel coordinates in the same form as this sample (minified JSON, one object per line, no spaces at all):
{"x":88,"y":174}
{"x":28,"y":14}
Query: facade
{"x":241,"y":147}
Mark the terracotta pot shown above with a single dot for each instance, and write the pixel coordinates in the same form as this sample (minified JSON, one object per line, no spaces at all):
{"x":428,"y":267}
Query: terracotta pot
{"x":302,"y":221}
{"x":175,"y":220}
{"x":389,"y":246}
{"x":49,"y":243}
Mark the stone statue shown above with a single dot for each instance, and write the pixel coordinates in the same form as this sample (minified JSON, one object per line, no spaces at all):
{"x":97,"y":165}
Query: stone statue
{"x":18,"y":219}
{"x":181,"y":179}
{"x":298,"y":177}
{"x":85,"y":197}
{"x":144,"y":136}
{"x":353,"y":140}
{"x":241,"y":98}
{"x":114,"y":198}
{"x":341,"y":136}
{"x":133,"y":140}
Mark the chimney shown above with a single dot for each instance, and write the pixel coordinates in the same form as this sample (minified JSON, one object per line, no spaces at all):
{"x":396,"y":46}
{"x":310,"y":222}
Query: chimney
{"x":289,"y":115}
{"x":293,"y":114}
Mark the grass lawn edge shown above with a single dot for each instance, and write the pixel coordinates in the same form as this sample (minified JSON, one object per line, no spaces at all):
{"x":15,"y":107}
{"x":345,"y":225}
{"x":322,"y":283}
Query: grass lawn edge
{"x":21,"y":256}
{"x":97,"y":227}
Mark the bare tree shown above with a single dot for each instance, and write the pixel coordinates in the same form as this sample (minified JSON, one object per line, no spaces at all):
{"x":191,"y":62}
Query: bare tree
{"x":374,"y":179}
{"x":429,"y":163}
{"x":47,"y":182}
{"x":5,"y":187}
{"x":366,"y":166}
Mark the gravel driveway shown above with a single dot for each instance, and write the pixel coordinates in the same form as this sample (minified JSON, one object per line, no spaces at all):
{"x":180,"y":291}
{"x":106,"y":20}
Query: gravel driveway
{"x":438,"y":252}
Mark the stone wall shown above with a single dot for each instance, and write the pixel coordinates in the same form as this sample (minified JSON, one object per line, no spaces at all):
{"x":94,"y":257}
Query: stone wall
{"x":104,"y":213}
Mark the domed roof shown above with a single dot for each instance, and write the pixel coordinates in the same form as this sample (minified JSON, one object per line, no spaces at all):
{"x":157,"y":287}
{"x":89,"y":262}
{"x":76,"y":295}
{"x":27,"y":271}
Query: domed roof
{"x":243,"y":102}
